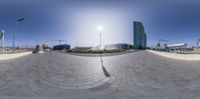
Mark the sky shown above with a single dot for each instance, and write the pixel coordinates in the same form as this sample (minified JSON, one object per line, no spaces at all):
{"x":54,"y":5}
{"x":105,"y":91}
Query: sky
{"x":76,"y":21}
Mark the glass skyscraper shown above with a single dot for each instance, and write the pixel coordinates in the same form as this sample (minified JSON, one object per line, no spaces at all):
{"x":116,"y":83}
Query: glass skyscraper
{"x":140,"y":38}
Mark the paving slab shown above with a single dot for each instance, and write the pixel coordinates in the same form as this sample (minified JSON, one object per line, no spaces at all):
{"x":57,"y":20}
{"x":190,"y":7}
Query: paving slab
{"x":138,"y":75}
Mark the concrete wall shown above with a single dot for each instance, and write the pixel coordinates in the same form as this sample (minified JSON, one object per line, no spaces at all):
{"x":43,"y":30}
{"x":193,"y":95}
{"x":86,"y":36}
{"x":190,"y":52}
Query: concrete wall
{"x":14,"y":55}
{"x":177,"y":56}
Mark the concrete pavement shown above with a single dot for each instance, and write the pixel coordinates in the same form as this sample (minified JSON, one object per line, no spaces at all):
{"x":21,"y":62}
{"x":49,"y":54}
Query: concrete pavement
{"x":138,"y":75}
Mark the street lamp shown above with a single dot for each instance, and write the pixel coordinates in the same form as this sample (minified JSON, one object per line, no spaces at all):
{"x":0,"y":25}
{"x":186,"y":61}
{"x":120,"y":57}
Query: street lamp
{"x":2,"y":37}
{"x":100,"y":28}
{"x":16,"y":26}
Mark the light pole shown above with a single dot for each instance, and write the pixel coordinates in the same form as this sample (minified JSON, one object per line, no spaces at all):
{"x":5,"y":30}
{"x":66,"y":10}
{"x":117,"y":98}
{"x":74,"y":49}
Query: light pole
{"x":102,"y":65}
{"x":16,"y":26}
{"x":100,"y":40}
{"x":2,"y":37}
{"x":100,"y":29}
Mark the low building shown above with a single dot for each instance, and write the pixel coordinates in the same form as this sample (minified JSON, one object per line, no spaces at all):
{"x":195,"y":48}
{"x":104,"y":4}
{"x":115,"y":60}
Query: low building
{"x":45,"y":46}
{"x":180,"y":47}
{"x":159,"y":47}
{"x":118,"y":46}
{"x":197,"y":50}
{"x":113,"y":46}
{"x":61,"y":47}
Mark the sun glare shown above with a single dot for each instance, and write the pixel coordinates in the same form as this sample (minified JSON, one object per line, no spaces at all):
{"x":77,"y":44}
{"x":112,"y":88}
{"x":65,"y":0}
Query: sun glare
{"x":100,"y":28}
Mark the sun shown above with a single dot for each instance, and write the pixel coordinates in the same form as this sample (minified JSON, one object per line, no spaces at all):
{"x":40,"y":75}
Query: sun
{"x":100,"y":28}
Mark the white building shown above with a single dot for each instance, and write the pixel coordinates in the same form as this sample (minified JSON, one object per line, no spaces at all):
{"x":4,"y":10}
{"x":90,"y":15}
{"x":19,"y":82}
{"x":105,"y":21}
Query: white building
{"x":113,"y":46}
{"x":177,"y":47}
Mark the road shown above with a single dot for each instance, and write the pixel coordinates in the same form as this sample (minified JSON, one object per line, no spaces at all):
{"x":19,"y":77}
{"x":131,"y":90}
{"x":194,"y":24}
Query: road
{"x":138,"y":75}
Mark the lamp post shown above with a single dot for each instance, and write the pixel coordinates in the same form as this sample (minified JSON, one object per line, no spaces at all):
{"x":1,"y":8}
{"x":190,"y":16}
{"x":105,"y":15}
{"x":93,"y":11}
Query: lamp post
{"x":2,"y":37}
{"x":16,"y":26}
{"x":100,"y":40}
{"x":100,"y":29}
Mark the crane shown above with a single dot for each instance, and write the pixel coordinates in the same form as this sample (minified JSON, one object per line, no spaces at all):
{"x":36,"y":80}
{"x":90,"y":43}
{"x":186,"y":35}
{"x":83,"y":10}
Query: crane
{"x":159,"y":40}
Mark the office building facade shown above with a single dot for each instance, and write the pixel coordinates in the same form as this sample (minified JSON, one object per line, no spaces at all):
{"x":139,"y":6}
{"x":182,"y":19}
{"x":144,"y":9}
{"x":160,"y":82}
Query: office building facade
{"x":140,"y":38}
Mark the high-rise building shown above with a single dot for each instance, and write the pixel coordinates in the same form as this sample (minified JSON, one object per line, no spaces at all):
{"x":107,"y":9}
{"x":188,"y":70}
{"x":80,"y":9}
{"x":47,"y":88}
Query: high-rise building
{"x":140,"y":38}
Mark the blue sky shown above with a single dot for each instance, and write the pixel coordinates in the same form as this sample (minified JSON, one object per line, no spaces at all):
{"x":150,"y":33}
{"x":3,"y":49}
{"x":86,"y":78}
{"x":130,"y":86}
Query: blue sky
{"x":76,"y":21}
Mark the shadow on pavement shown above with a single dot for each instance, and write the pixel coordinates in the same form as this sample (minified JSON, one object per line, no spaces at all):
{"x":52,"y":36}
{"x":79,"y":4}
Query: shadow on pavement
{"x":105,"y":72}
{"x":103,"y":68}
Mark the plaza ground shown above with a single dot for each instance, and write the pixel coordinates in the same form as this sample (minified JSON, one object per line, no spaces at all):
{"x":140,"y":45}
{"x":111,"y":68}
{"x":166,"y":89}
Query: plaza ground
{"x":136,"y":75}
